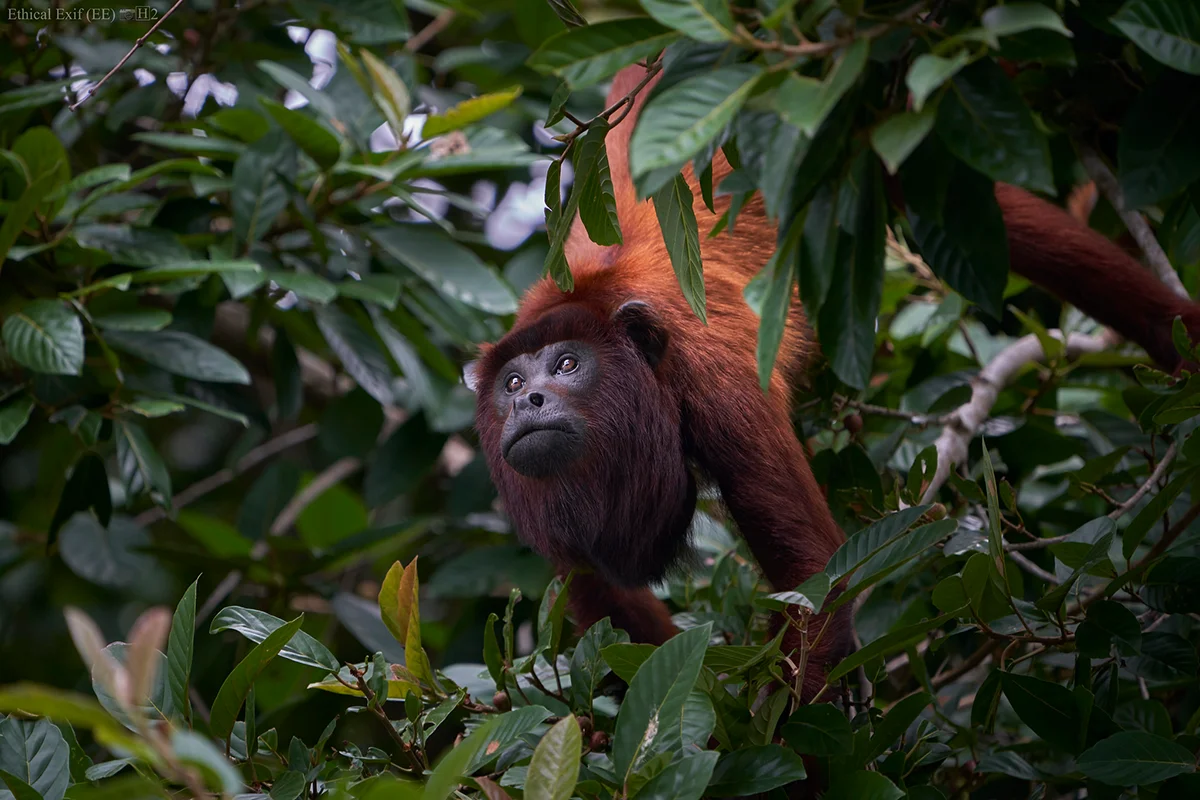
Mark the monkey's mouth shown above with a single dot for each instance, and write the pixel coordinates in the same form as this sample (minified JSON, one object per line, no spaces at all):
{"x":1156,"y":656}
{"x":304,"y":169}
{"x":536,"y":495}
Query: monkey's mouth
{"x":540,"y":450}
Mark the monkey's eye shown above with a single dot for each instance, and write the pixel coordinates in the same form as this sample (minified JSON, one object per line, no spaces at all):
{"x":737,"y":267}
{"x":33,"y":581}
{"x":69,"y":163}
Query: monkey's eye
{"x":514,"y":383}
{"x":566,"y":364}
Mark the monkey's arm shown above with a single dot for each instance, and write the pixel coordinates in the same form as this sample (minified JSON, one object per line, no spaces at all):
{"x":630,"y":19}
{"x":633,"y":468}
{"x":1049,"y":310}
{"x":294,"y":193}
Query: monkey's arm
{"x":642,"y":615}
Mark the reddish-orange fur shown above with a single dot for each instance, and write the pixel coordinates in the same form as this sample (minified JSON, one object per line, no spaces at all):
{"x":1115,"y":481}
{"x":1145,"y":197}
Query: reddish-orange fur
{"x":744,"y":439}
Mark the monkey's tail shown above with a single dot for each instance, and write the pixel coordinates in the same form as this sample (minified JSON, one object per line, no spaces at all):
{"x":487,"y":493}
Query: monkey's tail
{"x":1050,"y":247}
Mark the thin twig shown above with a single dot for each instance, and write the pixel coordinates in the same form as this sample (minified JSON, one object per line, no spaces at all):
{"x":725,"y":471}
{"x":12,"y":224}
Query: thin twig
{"x":1152,"y":251}
{"x":971,"y":662}
{"x":128,"y":55}
{"x":282,"y":442}
{"x":426,"y":34}
{"x":1154,"y":478}
{"x":1032,"y":568}
{"x":333,"y":474}
{"x":1171,"y":535}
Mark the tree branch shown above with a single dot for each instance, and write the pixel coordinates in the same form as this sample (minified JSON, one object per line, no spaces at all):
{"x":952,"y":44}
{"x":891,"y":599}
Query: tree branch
{"x":964,"y":422}
{"x":128,"y":55}
{"x":1107,"y":183}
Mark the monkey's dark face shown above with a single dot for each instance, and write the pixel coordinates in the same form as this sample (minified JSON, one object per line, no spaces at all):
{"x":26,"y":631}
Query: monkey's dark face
{"x":538,"y":395}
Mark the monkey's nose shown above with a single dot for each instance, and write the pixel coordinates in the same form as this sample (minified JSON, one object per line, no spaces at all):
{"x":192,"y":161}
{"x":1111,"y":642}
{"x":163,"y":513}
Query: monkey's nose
{"x":537,"y":399}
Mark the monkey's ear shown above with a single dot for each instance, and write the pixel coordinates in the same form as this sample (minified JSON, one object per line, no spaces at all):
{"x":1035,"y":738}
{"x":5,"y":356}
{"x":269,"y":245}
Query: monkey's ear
{"x":470,"y":375}
{"x":645,"y":328}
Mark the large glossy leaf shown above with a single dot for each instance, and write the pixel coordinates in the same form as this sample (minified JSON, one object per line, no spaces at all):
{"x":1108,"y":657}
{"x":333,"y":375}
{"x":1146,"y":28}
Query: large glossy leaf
{"x":237,"y":685}
{"x":929,"y":72}
{"x":593,"y":182}
{"x":806,"y":103}
{"x":35,"y":752}
{"x":45,"y":336}
{"x":18,"y":213}
{"x":587,"y":666}
{"x":887,"y":644}
{"x":142,"y":468}
{"x":898,"y":136}
{"x":312,"y":137}
{"x":676,"y":124}
{"x":1049,"y":709}
{"x":778,"y":279}
{"x":507,"y":729}
{"x":702,"y":20}
{"x":554,"y":768}
{"x":1169,"y":30}
{"x":673,"y":207}
{"x":862,"y":785}
{"x":1135,"y":758}
{"x":107,"y":556}
{"x":863,"y":545}
{"x":448,"y":266}
{"x":684,"y":779}
{"x":655,"y":698}
{"x":819,"y":730}
{"x":469,"y":111}
{"x":181,"y":353}
{"x":180,"y":645}
{"x":259,"y":194}
{"x":968,"y":247}
{"x":588,"y":55}
{"x":1156,"y":152}
{"x":358,"y":351}
{"x":983,"y":120}
{"x":14,"y":414}
{"x":751,"y":770}
{"x":258,"y":625}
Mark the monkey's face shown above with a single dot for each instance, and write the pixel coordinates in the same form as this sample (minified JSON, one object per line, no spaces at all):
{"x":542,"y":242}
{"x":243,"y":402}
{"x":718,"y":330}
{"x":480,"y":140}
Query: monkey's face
{"x":539,"y":396}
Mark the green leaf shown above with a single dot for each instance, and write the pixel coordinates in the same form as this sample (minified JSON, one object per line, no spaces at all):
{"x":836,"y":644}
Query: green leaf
{"x":1134,"y":758}
{"x":751,"y":770}
{"x":45,"y":336}
{"x":848,"y":317}
{"x":399,"y":464}
{"x":673,"y":207}
{"x":17,"y":788}
{"x":684,"y":779}
{"x":157,"y":705}
{"x":106,"y":556}
{"x":1013,"y":18}
{"x":258,"y":195}
{"x":509,"y":727}
{"x":257,"y":626}
{"x":13,"y":416}
{"x":321,"y":144}
{"x":899,"y":717}
{"x":968,"y":246}
{"x":469,"y":112}
{"x":588,"y":668}
{"x":448,"y":266}
{"x":862,"y":785}
{"x":198,"y":750}
{"x":928,"y":72}
{"x":180,"y":644}
{"x":381,"y":289}
{"x":141,"y":319}
{"x":554,"y":769}
{"x":454,"y":765}
{"x":675,"y":125}
{"x":655,"y":698}
{"x":779,"y":277}
{"x":819,"y":730}
{"x":1108,"y":623}
{"x":391,"y":93}
{"x":887,"y":644}
{"x":181,"y":353}
{"x":358,"y":351}
{"x":896,"y":138}
{"x":65,"y":706}
{"x":233,"y":691}
{"x":1049,"y":709}
{"x":585,"y":56}
{"x":593,"y":183}
{"x":210,"y":146}
{"x":288,"y":786}
{"x":983,"y":120}
{"x":19,"y":212}
{"x":35,"y":752}
{"x":893,"y":556}
{"x":560,"y":216}
{"x":1169,"y":30}
{"x":703,"y":20}
{"x":806,"y":103}
{"x":862,"y":546}
{"x":1156,"y":151}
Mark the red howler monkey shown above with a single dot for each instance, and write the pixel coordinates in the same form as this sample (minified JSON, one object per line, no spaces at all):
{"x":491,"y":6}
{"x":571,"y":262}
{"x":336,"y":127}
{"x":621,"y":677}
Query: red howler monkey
{"x":601,"y":405}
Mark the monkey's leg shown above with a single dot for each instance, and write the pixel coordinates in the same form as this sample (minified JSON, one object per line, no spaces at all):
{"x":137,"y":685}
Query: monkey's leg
{"x":637,"y":611}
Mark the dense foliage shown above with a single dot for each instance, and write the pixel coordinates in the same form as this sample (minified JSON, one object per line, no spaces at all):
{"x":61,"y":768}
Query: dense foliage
{"x":250,"y":547}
